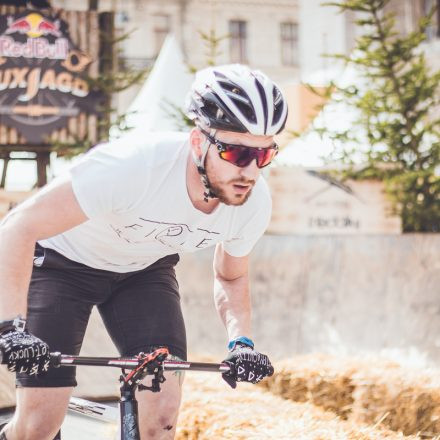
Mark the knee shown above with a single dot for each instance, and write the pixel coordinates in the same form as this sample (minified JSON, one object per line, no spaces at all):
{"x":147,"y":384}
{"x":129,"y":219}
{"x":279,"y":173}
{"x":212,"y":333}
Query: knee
{"x":32,"y":428}
{"x":163,"y":425}
{"x":40,"y":413}
{"x":163,"y":428}
{"x":167,"y":424}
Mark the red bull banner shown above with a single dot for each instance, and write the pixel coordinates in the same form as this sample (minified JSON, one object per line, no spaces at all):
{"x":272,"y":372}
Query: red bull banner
{"x":42,"y":76}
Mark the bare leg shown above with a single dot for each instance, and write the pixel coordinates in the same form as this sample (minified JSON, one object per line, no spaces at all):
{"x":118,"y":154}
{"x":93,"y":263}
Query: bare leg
{"x":39,"y":413}
{"x":158,"y":411}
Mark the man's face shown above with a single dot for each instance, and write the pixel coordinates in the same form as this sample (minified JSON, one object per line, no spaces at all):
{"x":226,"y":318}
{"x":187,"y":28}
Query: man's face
{"x":232,"y":184}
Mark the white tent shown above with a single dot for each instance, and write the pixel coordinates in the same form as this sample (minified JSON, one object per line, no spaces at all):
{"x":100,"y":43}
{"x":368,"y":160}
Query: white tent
{"x":155,"y":106}
{"x":312,"y":150}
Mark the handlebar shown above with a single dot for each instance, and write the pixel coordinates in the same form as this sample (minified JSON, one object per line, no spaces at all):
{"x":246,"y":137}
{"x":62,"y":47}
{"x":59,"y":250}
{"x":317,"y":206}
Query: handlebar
{"x":144,"y":364}
{"x":129,"y":363}
{"x":132,"y":363}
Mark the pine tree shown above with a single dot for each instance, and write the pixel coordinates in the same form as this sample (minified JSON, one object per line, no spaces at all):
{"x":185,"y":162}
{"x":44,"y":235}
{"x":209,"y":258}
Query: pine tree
{"x":397,"y":100}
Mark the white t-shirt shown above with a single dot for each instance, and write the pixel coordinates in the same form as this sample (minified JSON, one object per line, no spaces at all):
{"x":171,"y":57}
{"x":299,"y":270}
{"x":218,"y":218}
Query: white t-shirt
{"x":134,"y":193}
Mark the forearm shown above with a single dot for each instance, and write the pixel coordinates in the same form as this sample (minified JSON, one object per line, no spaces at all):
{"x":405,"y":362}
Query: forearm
{"x":16,"y":256}
{"x":232,"y":300}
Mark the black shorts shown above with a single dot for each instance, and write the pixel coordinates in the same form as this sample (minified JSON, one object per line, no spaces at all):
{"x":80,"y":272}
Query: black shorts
{"x":140,"y":310}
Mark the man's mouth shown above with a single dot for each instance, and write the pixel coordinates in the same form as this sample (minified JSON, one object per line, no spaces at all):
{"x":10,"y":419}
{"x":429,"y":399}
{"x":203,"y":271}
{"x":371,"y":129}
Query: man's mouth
{"x":240,"y":188}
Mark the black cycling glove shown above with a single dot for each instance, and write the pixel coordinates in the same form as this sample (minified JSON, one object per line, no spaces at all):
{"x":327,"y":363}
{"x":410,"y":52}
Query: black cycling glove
{"x":246,"y":365}
{"x":21,"y":351}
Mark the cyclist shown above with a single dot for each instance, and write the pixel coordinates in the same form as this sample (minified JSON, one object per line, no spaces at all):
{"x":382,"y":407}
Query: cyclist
{"x":109,"y":234}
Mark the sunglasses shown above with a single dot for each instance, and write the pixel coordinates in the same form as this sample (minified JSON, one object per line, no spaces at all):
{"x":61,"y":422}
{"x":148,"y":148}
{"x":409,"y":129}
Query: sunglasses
{"x":242,"y":156}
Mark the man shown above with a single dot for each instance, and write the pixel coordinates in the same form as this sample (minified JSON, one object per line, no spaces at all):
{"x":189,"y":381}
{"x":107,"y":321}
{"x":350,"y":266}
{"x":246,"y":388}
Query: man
{"x":108,"y":234}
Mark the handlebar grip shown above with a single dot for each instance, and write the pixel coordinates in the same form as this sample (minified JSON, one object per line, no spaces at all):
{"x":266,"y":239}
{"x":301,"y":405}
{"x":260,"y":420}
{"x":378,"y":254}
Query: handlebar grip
{"x":55,"y":359}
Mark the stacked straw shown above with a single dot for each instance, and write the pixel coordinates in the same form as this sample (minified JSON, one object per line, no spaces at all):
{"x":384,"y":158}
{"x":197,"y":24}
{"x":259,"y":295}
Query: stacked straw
{"x":363,"y":391}
{"x":211,"y":410}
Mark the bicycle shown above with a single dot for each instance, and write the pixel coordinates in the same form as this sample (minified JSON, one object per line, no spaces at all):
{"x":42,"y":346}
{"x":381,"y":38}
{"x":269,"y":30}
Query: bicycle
{"x":140,"y":366}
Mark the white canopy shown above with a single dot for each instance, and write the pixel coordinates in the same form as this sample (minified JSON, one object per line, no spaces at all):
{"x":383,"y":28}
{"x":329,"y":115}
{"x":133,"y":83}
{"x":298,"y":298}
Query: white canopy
{"x":312,"y":150}
{"x":164,"y":91}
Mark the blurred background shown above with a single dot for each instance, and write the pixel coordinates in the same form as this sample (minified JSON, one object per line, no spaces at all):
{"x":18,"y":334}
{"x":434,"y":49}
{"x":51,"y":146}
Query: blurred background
{"x":350,"y":262}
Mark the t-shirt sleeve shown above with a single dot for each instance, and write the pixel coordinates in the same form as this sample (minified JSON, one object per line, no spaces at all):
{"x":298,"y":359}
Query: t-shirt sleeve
{"x":109,"y":180}
{"x":251,"y":231}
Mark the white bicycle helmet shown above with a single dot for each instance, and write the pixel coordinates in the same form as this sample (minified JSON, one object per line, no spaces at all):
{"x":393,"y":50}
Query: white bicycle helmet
{"x":235,"y":98}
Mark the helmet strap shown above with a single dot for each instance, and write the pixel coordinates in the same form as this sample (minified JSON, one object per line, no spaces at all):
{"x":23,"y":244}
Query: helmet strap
{"x":200,"y":163}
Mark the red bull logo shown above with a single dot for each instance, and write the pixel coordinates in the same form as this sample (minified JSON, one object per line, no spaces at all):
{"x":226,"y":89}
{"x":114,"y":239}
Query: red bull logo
{"x":33,"y":25}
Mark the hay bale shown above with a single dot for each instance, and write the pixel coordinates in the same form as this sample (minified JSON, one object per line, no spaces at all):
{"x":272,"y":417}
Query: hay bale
{"x":363,"y":390}
{"x":407,"y":400}
{"x":211,"y":410}
{"x":329,"y":388}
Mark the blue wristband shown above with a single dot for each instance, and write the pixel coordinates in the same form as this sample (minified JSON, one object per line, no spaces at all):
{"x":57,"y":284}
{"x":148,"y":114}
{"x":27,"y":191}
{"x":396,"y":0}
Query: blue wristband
{"x":243,"y":340}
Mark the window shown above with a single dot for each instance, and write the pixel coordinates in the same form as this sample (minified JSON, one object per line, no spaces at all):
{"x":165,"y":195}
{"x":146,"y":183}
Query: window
{"x":237,"y":31}
{"x":433,"y":30}
{"x":289,"y":44}
{"x":161,"y":30}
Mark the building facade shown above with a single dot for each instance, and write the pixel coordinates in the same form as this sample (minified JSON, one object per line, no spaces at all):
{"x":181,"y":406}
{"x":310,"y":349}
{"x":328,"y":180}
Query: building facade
{"x":261,"y":33}
{"x":285,"y":38}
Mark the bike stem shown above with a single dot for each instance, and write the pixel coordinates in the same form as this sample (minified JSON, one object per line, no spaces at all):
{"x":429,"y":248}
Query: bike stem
{"x":130,"y":382}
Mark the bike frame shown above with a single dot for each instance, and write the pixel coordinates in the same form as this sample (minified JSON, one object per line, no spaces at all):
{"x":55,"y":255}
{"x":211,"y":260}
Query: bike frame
{"x":140,"y":366}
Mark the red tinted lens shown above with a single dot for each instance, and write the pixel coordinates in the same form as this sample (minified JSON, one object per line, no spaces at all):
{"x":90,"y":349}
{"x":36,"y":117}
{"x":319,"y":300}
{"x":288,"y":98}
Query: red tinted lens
{"x":265,"y":156}
{"x":243,"y":156}
{"x":239,"y":156}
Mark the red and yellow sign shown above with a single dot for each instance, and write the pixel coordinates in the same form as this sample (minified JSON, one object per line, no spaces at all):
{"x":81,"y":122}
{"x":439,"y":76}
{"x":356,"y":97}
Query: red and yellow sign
{"x":42,"y":75}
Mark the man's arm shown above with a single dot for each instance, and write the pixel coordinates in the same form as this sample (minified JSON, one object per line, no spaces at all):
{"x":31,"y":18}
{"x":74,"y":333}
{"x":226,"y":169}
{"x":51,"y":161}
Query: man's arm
{"x":232,"y":299}
{"x":51,"y":211}
{"x":231,"y":292}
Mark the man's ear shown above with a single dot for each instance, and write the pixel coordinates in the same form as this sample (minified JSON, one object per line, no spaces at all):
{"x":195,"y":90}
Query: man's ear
{"x":195,"y":141}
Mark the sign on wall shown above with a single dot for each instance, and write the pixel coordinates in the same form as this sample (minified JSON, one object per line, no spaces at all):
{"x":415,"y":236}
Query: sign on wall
{"x":42,"y":75}
{"x":306,"y":202}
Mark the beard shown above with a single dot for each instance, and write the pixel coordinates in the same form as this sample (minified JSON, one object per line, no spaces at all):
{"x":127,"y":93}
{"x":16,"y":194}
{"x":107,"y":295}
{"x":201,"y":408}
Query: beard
{"x":223,"y":190}
{"x":219,"y":188}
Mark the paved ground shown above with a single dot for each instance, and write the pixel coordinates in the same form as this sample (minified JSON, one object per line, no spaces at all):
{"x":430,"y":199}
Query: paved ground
{"x":81,"y":427}
{"x":77,"y":426}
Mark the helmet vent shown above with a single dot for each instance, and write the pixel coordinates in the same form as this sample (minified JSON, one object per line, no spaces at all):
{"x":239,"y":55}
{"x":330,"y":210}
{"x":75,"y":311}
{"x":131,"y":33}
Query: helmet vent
{"x":278,"y":105}
{"x":233,"y":91}
{"x":220,"y":75}
{"x":263,"y":102}
{"x":239,"y":97}
{"x":247,"y":111}
{"x":210,"y":109}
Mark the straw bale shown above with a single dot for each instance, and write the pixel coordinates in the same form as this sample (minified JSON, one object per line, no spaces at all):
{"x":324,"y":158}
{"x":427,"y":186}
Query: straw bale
{"x":364,"y":390}
{"x":407,"y":401}
{"x":211,"y":410}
